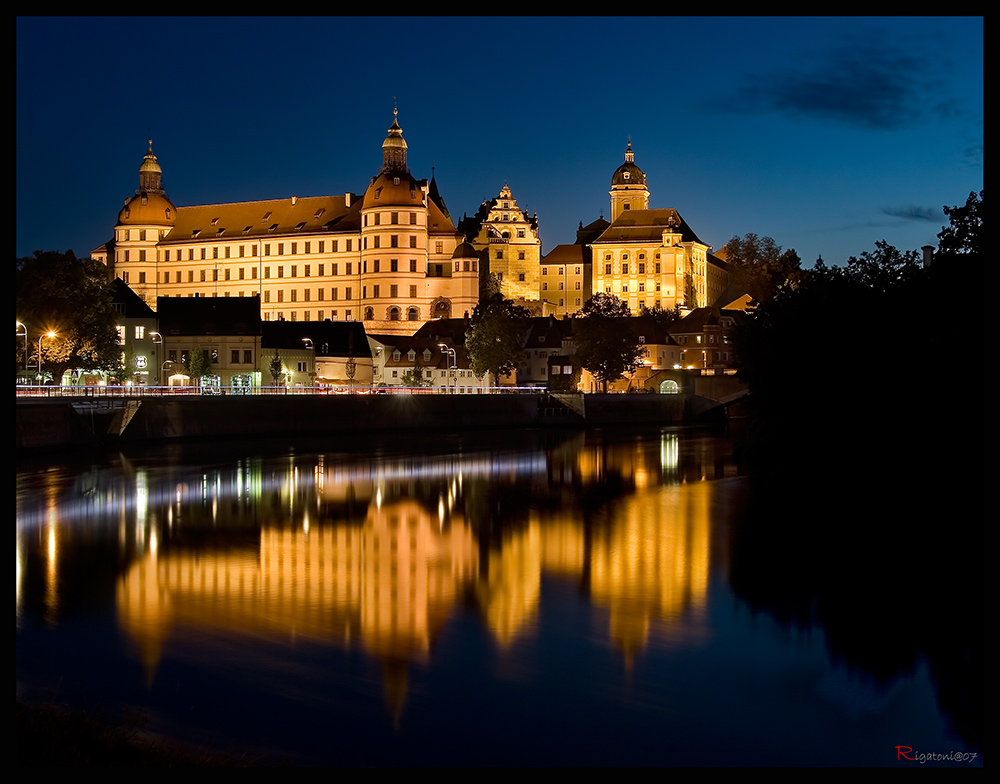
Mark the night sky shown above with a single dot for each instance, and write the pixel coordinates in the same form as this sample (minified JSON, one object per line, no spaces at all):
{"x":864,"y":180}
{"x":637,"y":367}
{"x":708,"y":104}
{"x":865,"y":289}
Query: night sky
{"x":825,"y":134}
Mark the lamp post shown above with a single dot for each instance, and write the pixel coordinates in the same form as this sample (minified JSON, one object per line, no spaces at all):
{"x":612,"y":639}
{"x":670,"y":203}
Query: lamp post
{"x":157,"y":340}
{"x":25,"y":336}
{"x":50,"y":334}
{"x":452,"y":357}
{"x":310,"y":347}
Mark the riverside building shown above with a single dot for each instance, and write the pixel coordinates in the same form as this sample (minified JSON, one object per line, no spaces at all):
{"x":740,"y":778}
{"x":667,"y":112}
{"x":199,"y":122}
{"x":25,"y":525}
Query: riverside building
{"x":389,"y":255}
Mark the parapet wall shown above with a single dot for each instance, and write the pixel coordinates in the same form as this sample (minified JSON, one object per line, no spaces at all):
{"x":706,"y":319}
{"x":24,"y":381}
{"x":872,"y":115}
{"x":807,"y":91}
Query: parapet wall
{"x":57,"y":423}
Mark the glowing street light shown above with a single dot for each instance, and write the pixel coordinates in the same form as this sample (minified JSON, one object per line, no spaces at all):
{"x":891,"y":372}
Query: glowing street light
{"x":50,"y":334}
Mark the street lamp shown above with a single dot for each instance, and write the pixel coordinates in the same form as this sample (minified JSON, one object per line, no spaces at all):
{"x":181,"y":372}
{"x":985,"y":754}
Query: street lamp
{"x":452,"y":357}
{"x":157,"y":340}
{"x":50,"y":334}
{"x":25,"y":336}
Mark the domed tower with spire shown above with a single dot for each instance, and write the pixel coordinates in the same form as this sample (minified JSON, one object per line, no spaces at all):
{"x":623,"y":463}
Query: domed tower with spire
{"x":146,"y":218}
{"x":407,"y":242}
{"x":628,"y":187}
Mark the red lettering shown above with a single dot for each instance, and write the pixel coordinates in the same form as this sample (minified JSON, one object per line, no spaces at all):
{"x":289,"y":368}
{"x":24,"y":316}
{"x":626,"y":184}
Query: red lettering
{"x":900,"y":753}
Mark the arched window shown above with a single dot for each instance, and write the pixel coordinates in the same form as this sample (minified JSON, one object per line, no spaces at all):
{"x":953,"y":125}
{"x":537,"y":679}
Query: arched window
{"x":393,"y":314}
{"x":369,"y":314}
{"x":669,"y":387}
{"x":411,"y":314}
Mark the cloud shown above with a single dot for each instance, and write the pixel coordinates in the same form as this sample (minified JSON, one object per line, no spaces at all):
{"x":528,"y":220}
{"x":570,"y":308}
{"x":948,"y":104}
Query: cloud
{"x":871,"y":85}
{"x":913,"y":213}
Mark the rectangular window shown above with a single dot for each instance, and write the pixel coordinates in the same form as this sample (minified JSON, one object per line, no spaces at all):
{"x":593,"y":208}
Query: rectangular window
{"x":393,"y":290}
{"x":281,"y":271}
{"x":413,"y":292}
{"x":375,"y":291}
{"x":413,"y":265}
{"x":413,"y":240}
{"x":393,"y":240}
{"x":235,"y":357}
{"x":393,"y":265}
{"x":607,"y":269}
{"x":281,"y":295}
{"x":248,"y":356}
{"x":140,"y":332}
{"x":295,"y":270}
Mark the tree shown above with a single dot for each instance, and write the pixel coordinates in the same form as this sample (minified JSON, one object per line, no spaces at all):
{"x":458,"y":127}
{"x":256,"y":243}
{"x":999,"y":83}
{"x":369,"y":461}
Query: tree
{"x":416,"y":376}
{"x":605,"y":343}
{"x":759,"y":265}
{"x":495,"y":339}
{"x":276,"y":368}
{"x":663,"y":317}
{"x":58,"y":293}
{"x":884,"y":268}
{"x":197,"y":363}
{"x":964,"y":237}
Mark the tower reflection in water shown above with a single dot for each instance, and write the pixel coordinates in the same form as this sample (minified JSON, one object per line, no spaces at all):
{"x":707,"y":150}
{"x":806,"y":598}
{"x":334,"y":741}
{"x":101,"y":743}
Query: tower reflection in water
{"x":379,"y":552}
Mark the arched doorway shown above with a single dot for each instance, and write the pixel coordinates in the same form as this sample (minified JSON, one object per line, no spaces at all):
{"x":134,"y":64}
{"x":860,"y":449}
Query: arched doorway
{"x":669,"y":387}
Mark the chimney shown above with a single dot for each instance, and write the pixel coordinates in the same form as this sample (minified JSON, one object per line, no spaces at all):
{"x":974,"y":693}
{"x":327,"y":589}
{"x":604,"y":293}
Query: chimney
{"x":928,"y":255}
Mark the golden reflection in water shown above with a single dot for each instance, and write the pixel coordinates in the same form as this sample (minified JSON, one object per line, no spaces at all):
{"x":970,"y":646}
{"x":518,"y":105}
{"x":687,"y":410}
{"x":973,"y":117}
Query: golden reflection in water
{"x":508,"y":594}
{"x":651,"y":562}
{"x":389,"y":580}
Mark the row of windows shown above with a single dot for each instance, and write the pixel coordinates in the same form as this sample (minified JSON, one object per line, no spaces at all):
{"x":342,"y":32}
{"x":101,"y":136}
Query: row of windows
{"x":393,"y":218}
{"x":641,"y":266}
{"x":243,"y":251}
{"x":545,"y":286}
{"x":545,"y":271}
{"x":320,"y":294}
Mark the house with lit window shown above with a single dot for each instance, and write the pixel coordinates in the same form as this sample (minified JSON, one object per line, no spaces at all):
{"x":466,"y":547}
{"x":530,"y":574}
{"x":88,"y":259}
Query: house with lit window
{"x":137,"y":335}
{"x":221,"y":336}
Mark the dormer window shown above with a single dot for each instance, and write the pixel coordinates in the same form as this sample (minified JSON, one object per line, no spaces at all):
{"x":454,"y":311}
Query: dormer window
{"x":196,"y":232}
{"x":411,"y":355}
{"x":395,"y":180}
{"x":266,"y":218}
{"x":396,"y":355}
{"x":215,"y":221}
{"x":246,"y":230}
{"x":319,"y":212}
{"x":300,"y":226}
{"x":427,"y":355}
{"x":273,"y":227}
{"x":625,"y":175}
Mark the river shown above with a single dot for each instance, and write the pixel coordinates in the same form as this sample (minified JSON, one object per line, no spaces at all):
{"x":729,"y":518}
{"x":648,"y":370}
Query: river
{"x":518,"y":598}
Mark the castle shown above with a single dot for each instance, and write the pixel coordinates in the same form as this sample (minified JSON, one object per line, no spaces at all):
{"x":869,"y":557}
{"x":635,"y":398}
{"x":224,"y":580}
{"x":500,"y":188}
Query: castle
{"x":392,"y":256}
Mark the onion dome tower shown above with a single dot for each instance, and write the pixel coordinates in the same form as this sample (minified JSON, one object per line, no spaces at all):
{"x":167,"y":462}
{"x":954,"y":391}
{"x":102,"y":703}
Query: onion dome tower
{"x":150,"y":205}
{"x":628,"y":187}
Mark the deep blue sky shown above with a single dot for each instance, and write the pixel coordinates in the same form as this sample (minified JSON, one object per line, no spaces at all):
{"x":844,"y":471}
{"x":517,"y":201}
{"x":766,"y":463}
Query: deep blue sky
{"x":826,"y":134}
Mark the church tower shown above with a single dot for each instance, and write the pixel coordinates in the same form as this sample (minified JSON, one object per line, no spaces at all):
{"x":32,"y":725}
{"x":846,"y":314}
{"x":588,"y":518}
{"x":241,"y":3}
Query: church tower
{"x":628,"y":187}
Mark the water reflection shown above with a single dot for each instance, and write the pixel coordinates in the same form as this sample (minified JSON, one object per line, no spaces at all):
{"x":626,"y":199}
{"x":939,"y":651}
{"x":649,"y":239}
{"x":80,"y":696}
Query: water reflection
{"x":407,"y":562}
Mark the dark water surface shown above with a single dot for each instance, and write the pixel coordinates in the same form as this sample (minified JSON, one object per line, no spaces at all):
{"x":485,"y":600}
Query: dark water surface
{"x":519,"y":598}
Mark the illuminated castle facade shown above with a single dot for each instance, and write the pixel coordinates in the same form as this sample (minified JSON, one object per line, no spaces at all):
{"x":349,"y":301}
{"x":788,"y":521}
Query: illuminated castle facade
{"x":389,"y":255}
{"x":651,"y":257}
